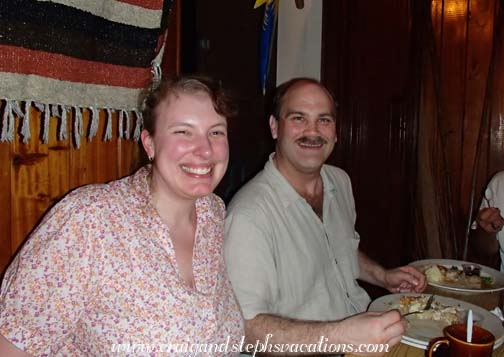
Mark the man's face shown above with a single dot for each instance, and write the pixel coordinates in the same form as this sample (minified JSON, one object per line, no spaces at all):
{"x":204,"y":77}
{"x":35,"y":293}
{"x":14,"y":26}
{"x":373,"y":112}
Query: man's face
{"x":306,"y":129}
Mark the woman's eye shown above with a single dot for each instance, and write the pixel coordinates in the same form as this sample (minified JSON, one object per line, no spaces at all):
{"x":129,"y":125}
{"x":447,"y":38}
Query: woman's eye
{"x":181,"y":132}
{"x":218,"y":133}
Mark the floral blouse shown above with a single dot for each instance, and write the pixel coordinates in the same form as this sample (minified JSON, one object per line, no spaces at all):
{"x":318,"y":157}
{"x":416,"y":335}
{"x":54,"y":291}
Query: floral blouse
{"x":98,"y":277}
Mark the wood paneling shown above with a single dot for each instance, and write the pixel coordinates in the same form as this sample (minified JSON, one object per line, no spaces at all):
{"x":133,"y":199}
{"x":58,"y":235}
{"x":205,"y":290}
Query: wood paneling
{"x":367,"y":64}
{"x":29,"y":182}
{"x":412,"y":80}
{"x":129,"y":155}
{"x":496,"y":100}
{"x":58,"y":161}
{"x":38,"y":174}
{"x":464,"y":38}
{"x":5,"y":203}
{"x":452,"y":54}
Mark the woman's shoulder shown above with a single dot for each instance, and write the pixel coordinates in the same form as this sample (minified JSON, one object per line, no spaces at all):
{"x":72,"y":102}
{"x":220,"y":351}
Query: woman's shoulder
{"x":122,"y":188}
{"x":79,"y":204}
{"x":97,"y":196}
{"x":213,"y":206}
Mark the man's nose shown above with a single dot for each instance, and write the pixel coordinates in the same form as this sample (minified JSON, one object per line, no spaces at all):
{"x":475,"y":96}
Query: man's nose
{"x":311,"y":127}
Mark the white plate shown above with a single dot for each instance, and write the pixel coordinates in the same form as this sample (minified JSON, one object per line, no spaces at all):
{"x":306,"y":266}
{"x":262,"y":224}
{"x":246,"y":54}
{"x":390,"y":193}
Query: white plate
{"x":413,"y":344}
{"x":497,"y":276}
{"x":420,"y":332}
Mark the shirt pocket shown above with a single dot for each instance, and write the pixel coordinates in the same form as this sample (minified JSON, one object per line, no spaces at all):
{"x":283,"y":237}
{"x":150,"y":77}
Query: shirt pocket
{"x":346,"y":253}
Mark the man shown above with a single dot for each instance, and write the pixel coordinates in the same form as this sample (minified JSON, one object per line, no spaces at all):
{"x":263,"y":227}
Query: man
{"x":291,"y":248}
{"x":488,"y":237}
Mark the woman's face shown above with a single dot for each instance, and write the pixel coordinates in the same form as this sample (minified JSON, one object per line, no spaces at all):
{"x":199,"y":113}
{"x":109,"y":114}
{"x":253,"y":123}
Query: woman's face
{"x":189,"y":147}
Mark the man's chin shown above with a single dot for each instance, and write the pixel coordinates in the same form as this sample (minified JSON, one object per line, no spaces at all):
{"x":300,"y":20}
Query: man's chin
{"x":312,"y":159}
{"x":310,"y":167}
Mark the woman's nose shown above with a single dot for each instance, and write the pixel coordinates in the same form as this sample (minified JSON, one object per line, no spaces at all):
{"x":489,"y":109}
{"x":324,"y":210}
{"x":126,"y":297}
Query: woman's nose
{"x":204,"y":147}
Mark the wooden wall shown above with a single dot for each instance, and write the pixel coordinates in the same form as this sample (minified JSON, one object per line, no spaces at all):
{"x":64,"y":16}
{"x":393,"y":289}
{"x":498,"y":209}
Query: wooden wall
{"x":35,"y":175}
{"x":367,"y":63}
{"x":419,"y":102}
{"x":413,"y":102}
{"x":461,"y":101}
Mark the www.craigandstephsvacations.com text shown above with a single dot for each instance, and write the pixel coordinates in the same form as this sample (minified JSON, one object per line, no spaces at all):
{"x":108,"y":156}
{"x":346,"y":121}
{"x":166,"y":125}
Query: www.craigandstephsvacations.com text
{"x":195,"y":349}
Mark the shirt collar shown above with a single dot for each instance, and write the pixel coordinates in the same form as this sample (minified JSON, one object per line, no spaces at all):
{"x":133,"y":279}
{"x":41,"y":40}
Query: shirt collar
{"x":285,"y":190}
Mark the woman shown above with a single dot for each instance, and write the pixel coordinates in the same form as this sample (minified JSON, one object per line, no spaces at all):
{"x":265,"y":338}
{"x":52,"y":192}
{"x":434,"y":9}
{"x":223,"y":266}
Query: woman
{"x":134,"y":266}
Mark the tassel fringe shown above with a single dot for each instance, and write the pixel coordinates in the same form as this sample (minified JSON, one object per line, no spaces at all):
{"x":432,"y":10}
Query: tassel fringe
{"x":46,"y":125}
{"x":138,"y":126}
{"x":78,"y":126}
{"x":7,"y":133}
{"x":25,"y":125}
{"x":95,"y":120}
{"x":108,"y":129}
{"x":14,"y":109}
{"x":62,"y":135}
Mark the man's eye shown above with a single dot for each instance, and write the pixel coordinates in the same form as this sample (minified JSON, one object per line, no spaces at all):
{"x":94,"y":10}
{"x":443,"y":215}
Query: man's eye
{"x":181,"y":132}
{"x":326,"y":120}
{"x":297,"y":118}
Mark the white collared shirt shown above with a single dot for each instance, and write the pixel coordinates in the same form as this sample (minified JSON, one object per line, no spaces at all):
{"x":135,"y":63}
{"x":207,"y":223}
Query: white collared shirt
{"x":495,"y":195}
{"x":283,"y":260}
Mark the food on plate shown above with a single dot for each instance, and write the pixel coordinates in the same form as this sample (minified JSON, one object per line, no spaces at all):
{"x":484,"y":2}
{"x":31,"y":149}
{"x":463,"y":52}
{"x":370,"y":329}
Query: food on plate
{"x":467,"y":276}
{"x":433,"y":274}
{"x":437,"y":312}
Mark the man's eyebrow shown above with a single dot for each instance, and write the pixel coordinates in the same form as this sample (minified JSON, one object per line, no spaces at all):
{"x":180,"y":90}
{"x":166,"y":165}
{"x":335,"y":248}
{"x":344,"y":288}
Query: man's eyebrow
{"x":299,"y":112}
{"x":294,"y":112}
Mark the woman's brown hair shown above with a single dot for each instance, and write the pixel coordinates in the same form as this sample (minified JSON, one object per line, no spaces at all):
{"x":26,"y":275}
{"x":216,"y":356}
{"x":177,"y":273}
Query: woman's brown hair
{"x":174,"y":86}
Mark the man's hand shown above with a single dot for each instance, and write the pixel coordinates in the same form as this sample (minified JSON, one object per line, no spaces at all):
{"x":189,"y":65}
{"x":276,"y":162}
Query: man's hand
{"x":400,"y":280}
{"x":372,"y":328}
{"x":490,"y":220}
{"x":405,"y":279}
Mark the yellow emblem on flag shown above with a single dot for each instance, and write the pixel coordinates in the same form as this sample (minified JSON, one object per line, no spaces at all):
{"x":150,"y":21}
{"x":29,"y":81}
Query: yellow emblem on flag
{"x":260,"y":2}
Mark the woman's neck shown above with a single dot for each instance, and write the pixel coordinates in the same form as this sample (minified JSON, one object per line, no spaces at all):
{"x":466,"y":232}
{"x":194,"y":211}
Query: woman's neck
{"x":174,"y":211}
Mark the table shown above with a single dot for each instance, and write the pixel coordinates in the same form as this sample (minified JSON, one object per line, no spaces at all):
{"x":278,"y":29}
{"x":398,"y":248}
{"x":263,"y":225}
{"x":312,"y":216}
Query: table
{"x":485,"y":300}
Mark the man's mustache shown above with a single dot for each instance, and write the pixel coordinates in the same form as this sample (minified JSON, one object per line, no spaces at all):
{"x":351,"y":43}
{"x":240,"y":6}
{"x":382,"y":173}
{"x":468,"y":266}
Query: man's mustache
{"x":317,"y":140}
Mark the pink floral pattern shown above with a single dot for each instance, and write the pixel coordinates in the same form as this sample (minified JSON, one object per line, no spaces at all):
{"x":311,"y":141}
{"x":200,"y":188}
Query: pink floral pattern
{"x":100,"y":270}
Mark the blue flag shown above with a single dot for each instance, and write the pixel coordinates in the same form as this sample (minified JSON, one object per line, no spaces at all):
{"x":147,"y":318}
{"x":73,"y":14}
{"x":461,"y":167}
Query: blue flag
{"x":266,"y":40}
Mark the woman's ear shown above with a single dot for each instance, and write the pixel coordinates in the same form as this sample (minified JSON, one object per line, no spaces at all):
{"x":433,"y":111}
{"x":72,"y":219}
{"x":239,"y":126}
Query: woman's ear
{"x":148,"y":143}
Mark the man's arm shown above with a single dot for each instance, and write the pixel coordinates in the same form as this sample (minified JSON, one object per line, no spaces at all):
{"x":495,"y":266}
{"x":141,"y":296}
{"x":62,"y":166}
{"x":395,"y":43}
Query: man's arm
{"x":399,"y":280}
{"x":485,"y":243}
{"x":365,"y":328}
{"x":484,"y":239}
{"x":8,"y":349}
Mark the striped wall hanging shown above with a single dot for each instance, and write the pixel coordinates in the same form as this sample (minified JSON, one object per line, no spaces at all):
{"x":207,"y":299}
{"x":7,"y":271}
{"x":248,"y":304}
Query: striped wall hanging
{"x":64,"y":56}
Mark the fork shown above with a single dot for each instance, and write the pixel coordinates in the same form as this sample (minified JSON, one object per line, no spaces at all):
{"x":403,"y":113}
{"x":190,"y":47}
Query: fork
{"x":427,"y":307}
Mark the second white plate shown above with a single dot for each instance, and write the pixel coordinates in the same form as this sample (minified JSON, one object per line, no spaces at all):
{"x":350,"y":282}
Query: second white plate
{"x":497,"y":276}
